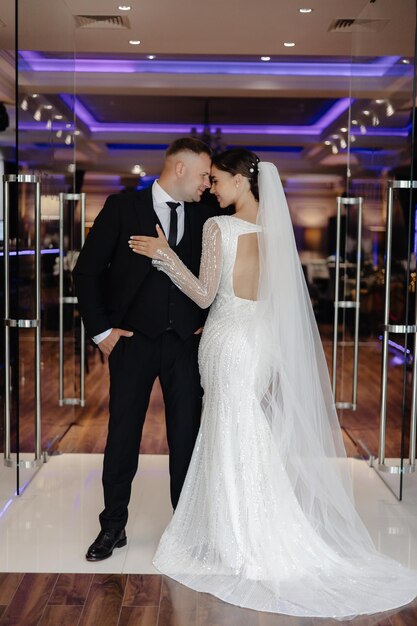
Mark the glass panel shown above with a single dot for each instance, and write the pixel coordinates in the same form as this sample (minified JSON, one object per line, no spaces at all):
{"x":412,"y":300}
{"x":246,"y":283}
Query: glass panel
{"x":377,"y":132}
{"x":45,"y":147}
{"x":8,"y":167}
{"x":366,"y":137}
{"x":53,"y":157}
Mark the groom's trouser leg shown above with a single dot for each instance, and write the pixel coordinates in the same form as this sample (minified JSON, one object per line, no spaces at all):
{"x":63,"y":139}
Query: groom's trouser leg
{"x":180,"y":382}
{"x":133,"y":367}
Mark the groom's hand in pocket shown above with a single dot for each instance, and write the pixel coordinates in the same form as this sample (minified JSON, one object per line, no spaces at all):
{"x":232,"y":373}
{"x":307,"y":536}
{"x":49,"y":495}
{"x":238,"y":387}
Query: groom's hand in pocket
{"x":107,"y":345}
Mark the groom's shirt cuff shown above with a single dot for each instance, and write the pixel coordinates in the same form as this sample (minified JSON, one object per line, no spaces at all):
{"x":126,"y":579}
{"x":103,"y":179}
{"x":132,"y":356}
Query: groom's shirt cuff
{"x":101,"y":336}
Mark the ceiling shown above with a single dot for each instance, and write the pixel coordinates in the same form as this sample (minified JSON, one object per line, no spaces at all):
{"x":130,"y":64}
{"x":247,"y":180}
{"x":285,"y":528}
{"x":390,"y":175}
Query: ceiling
{"x":234,"y":27}
{"x":120,"y":108}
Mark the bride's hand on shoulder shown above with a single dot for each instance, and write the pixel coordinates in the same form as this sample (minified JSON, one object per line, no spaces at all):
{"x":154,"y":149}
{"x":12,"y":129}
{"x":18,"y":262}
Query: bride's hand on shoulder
{"x":149,"y":246}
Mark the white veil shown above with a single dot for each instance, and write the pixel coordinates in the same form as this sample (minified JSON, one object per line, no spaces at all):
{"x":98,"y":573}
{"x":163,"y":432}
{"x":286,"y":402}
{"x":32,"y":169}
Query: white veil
{"x":294,"y":386}
{"x":267,"y":522}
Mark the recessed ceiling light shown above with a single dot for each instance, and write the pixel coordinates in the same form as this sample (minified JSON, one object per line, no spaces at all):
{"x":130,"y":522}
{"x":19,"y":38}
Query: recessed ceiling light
{"x":366,"y":112}
{"x":406,"y":61}
{"x":289,"y":44}
{"x":59,"y":133}
{"x":355,"y":122}
{"x":48,"y":106}
{"x":58,"y":117}
{"x":379,"y":101}
{"x":77,"y":132}
{"x":35,"y":95}
{"x":124,"y":7}
{"x":327,"y":143}
{"x":344,"y":129}
{"x":265,"y":58}
{"x":68,"y":125}
{"x":151,"y":56}
{"x":305,"y":10}
{"x":134,"y":42}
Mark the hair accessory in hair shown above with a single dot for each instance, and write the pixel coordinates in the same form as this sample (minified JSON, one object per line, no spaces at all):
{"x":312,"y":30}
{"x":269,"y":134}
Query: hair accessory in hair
{"x":254,"y":166}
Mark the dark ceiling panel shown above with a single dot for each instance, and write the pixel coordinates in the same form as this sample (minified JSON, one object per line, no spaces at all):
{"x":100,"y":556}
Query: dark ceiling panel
{"x":191,"y":110}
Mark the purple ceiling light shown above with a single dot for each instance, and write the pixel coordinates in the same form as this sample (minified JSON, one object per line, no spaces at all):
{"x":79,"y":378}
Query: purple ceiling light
{"x":44,"y":126}
{"x":76,"y":106}
{"x":313,"y":130}
{"x":376,"y":68}
{"x":333,"y":113}
{"x":182,"y":129}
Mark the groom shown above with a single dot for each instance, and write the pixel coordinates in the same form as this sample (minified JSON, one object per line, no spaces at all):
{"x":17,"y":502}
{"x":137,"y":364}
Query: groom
{"x":145,"y":325}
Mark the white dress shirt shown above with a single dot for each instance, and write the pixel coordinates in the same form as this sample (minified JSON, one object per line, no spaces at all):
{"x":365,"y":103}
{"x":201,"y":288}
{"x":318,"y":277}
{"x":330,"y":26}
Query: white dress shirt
{"x":160,"y":198}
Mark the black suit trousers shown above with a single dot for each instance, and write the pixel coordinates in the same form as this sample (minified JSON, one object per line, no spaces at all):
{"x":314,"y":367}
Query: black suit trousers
{"x":134,"y":364}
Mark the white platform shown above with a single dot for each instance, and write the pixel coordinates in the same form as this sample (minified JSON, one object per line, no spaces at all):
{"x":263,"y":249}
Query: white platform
{"x":49,"y":527}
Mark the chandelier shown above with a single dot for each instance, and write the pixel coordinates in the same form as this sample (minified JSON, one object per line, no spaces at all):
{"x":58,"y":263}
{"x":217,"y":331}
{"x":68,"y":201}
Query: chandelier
{"x":213,"y":139}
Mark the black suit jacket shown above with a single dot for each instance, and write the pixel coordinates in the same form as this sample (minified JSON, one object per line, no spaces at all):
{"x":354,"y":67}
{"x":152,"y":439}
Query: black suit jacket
{"x":108,"y":274}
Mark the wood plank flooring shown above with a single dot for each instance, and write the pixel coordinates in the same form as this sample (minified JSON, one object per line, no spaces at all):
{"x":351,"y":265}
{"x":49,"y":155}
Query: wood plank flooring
{"x":76,"y":429}
{"x":136,"y":600}
{"x":139,"y":600}
{"x":362,"y":425}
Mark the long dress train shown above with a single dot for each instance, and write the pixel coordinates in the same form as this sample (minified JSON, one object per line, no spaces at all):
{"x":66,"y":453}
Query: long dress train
{"x":239,"y":531}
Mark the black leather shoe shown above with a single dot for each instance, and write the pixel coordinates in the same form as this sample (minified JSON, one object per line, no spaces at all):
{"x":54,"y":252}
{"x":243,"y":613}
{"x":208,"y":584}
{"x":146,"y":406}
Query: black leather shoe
{"x":106,"y":542}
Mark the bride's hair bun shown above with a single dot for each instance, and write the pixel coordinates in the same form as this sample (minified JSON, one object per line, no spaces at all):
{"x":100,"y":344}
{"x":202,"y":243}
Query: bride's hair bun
{"x":240,"y":161}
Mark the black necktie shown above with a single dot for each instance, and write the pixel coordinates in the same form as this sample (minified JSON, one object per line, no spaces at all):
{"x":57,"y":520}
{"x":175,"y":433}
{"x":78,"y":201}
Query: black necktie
{"x":173,"y":224}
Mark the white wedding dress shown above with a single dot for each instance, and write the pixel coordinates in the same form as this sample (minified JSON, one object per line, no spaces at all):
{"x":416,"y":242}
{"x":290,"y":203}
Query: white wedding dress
{"x":239,"y":531}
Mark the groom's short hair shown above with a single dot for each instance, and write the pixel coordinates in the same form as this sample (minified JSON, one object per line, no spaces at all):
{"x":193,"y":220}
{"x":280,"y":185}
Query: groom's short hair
{"x":188,"y":144}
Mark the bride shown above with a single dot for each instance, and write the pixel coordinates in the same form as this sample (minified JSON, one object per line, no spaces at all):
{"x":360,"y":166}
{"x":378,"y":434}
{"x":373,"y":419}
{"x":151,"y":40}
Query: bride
{"x":266,"y":518}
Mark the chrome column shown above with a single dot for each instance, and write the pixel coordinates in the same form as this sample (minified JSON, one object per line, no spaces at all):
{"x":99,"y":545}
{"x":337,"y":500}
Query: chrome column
{"x":34,"y":323}
{"x":347,"y":304}
{"x":395,"y":329}
{"x":69,"y":300}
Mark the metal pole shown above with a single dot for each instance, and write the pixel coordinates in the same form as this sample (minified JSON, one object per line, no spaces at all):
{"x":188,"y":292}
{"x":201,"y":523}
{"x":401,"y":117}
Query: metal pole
{"x":82,"y":329}
{"x":336,"y":295}
{"x":69,"y":300}
{"x":61,"y":297}
{"x":401,"y":329}
{"x":7,"y":416}
{"x":357,"y":301}
{"x":384,"y":374}
{"x":38,"y":442}
{"x":347,"y":304}
{"x":413,"y":420}
{"x":22,"y":323}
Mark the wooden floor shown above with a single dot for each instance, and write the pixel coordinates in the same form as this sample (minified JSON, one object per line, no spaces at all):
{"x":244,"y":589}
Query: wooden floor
{"x":75,"y":428}
{"x":135,"y":600}
{"x":84,"y":429}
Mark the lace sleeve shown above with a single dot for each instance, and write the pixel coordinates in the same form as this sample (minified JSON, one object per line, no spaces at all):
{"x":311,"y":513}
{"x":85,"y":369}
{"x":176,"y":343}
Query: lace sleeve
{"x":201,"y":290}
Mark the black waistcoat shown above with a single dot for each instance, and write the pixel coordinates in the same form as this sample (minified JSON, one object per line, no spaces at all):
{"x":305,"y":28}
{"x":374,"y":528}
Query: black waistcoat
{"x":159,"y":305}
